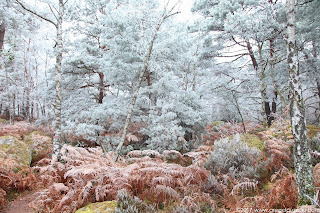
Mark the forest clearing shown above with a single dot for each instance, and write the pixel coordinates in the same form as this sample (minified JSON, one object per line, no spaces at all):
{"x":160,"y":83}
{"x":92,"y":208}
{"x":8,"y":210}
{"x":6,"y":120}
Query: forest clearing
{"x":159,"y":106}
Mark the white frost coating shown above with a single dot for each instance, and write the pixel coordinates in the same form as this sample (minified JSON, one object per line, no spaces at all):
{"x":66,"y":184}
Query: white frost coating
{"x":298,"y":149}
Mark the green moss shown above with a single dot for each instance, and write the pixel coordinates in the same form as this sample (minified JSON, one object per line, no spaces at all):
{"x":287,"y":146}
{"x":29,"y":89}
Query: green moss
{"x":2,"y":120}
{"x":252,"y":141}
{"x":267,"y":186}
{"x":100,"y":207}
{"x":12,"y":194}
{"x":261,"y":129}
{"x":217,"y":123}
{"x":6,"y":137}
{"x":312,"y":131}
{"x":39,"y":143}
{"x":16,"y":150}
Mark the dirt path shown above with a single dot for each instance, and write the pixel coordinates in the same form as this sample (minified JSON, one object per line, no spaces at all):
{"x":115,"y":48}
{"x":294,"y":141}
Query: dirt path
{"x":20,"y":204}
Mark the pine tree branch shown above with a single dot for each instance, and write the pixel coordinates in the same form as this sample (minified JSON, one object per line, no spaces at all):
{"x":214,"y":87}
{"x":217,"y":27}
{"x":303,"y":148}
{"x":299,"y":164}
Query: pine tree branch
{"x":40,"y":16}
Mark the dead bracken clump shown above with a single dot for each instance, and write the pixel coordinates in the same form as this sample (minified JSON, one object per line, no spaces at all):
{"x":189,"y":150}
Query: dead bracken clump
{"x":18,"y":130}
{"x":11,"y":181}
{"x":285,"y":192}
{"x":88,"y":175}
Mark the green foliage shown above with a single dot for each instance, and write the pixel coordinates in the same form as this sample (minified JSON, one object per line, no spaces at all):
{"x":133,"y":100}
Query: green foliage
{"x":312,"y":131}
{"x":14,"y":149}
{"x":252,"y":141}
{"x":217,"y":123}
{"x":105,"y":207}
{"x":7,"y":54}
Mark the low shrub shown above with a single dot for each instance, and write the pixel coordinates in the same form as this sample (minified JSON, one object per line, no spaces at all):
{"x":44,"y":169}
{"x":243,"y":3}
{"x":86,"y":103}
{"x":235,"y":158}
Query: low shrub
{"x":231,"y":155}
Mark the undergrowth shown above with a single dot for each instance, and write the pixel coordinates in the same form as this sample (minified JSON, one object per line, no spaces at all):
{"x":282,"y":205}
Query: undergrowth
{"x":89,"y":176}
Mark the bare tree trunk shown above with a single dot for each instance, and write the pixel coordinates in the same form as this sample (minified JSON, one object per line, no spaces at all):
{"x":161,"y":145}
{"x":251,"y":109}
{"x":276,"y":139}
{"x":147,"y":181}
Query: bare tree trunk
{"x":101,"y":87}
{"x":302,"y":157}
{"x":140,"y":79}
{"x":195,"y":64}
{"x":10,"y":110}
{"x":13,"y":113}
{"x":57,"y":110}
{"x":27,"y":83}
{"x":261,"y":73}
{"x":2,"y":33}
{"x":57,"y":124}
{"x":7,"y":113}
{"x":236,"y":104}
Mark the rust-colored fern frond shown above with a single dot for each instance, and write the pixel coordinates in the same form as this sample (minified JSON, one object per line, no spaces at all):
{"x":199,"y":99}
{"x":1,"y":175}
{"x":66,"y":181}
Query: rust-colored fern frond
{"x":244,"y":186}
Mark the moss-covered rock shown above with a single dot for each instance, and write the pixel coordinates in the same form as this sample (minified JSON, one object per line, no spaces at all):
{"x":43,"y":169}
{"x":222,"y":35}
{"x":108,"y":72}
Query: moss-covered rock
{"x":12,"y":149}
{"x":40,"y":145}
{"x":99,"y":207}
{"x":217,"y":123}
{"x":252,"y":141}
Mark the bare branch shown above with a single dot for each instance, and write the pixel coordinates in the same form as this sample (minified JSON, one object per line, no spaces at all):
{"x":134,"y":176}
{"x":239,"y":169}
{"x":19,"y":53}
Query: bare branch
{"x":40,"y":16}
{"x":9,"y":79}
{"x":242,"y":45}
{"x":172,"y":14}
{"x":53,"y":12}
{"x":303,"y":3}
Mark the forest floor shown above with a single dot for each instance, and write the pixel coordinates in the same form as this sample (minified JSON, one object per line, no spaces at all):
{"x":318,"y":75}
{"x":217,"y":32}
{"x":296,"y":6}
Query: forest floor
{"x":172,"y":181}
{"x":20,"y":204}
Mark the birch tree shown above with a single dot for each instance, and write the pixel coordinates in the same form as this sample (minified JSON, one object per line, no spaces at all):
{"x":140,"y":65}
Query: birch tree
{"x":58,"y":66}
{"x":302,"y":157}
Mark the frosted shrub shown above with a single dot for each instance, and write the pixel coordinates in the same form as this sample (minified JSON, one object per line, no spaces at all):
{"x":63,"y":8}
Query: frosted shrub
{"x":127,"y":204}
{"x":212,"y":186}
{"x":234,"y":157}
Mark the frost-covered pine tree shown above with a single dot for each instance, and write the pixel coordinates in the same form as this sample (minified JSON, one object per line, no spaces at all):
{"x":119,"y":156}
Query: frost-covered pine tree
{"x":241,"y":34}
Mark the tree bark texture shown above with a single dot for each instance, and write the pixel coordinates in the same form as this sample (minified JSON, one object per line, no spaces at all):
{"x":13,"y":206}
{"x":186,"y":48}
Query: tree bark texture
{"x":101,"y":87}
{"x":2,"y":33}
{"x":27,"y":82}
{"x":302,"y":157}
{"x":260,"y":71}
{"x":58,"y":102}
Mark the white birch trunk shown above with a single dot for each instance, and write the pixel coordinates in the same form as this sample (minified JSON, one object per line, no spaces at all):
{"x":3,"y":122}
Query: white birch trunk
{"x":302,"y":157}
{"x":57,"y":111}
{"x":58,"y":102}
